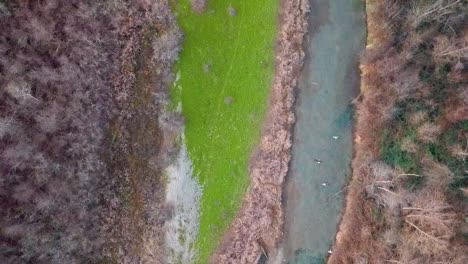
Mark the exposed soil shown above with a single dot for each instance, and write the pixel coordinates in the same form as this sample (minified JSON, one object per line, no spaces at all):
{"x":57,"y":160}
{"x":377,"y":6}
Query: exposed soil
{"x":258,"y":226}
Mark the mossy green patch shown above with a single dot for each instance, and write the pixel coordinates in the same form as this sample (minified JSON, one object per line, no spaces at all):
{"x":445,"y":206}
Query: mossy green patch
{"x":456,"y":135}
{"x":393,"y":154}
{"x":224,"y":76}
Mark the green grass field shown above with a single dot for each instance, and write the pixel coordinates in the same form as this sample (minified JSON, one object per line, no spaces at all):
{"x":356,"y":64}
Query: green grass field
{"x":225,"y":69}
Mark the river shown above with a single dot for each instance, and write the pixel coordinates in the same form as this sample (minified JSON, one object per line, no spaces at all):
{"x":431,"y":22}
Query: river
{"x":322,"y":148}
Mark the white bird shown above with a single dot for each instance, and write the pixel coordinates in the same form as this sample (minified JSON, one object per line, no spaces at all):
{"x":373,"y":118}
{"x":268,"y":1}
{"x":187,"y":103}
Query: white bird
{"x":335,"y":137}
{"x":324,"y":184}
{"x":329,"y":251}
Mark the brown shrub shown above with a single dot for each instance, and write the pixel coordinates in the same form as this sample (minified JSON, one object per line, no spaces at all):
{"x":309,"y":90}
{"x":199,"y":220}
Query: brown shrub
{"x":383,"y":221}
{"x":429,"y":132}
{"x":58,"y":196}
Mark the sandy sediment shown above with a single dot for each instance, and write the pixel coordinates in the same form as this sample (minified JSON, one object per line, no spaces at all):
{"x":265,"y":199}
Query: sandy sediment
{"x":258,"y":225}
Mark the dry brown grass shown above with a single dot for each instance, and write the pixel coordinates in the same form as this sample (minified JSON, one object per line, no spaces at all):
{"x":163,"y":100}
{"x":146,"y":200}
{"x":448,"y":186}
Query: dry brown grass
{"x":429,"y":132}
{"x":143,"y":134}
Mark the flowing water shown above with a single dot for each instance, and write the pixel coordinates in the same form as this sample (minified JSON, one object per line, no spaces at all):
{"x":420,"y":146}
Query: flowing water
{"x":322,"y":149}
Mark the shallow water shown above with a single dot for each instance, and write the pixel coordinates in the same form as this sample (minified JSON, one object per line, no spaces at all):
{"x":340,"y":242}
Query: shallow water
{"x":183,"y":192}
{"x":323,"y":130}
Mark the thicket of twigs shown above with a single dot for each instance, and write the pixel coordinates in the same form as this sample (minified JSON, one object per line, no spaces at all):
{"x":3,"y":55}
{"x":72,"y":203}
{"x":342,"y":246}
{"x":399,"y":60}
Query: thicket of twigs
{"x":407,"y":202}
{"x":71,"y":80}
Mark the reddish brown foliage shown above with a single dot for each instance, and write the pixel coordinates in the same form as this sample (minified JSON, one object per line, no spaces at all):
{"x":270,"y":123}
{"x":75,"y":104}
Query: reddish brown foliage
{"x":383,"y":221}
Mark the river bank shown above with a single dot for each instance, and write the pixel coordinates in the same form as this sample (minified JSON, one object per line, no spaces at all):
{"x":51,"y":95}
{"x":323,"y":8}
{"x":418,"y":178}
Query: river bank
{"x":258,"y":227}
{"x":406,"y":200}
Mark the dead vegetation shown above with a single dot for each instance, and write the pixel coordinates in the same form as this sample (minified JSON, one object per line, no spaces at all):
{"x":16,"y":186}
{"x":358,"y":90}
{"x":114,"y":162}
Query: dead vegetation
{"x":143,"y":139}
{"x":407,"y":200}
{"x":82,"y":87}
{"x":199,"y":6}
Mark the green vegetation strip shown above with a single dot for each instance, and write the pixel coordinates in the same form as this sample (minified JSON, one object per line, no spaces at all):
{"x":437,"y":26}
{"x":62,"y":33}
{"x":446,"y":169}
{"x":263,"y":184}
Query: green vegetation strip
{"x":225,"y":73}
